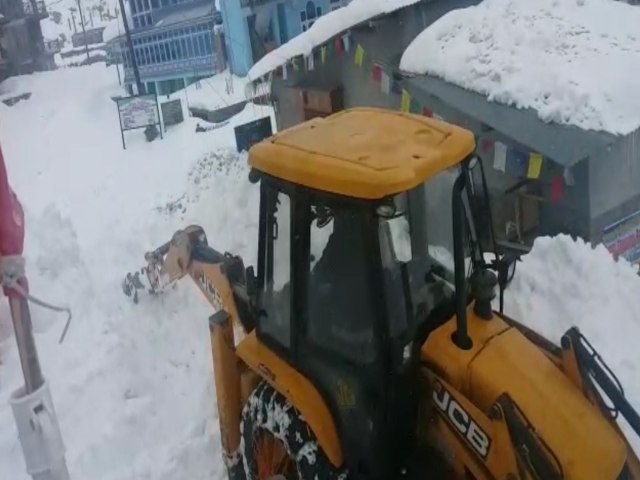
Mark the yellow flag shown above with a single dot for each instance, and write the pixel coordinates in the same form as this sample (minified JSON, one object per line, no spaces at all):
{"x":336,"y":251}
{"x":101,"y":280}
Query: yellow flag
{"x":359,"y":59}
{"x":535,"y":165}
{"x":323,"y":54}
{"x":405,"y":105}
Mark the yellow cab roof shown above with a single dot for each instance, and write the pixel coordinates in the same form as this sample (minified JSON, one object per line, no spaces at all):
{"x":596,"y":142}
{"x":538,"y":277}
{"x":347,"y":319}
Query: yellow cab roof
{"x":364,"y":153}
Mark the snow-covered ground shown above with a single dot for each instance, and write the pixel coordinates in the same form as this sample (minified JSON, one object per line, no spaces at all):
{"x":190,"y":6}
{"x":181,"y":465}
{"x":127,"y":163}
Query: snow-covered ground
{"x":132,"y":384}
{"x":571,"y":60}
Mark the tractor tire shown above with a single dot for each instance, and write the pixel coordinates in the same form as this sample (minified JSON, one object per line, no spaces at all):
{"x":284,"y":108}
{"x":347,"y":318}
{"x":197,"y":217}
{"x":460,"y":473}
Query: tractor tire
{"x":277,"y":442}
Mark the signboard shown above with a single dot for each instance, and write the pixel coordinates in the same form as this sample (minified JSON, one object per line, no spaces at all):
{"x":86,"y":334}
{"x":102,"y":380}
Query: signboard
{"x":172,"y":112}
{"x":622,"y":238}
{"x":251,"y":133}
{"x":138,"y":111}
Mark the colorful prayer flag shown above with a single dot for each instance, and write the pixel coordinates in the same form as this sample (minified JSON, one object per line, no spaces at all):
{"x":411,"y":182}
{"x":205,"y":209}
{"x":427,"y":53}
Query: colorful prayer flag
{"x":427,"y":112}
{"x":339,"y":47}
{"x":405,"y":104}
{"x":385,"y":83}
{"x":294,"y":62}
{"x":500,"y":156}
{"x":359,"y":58}
{"x":284,"y":71}
{"x":568,"y":177}
{"x":323,"y":54}
{"x":310,"y":62}
{"x":346,"y":42}
{"x":376,"y":73}
{"x":487,"y":145}
{"x":517,"y":162}
{"x":535,"y":165}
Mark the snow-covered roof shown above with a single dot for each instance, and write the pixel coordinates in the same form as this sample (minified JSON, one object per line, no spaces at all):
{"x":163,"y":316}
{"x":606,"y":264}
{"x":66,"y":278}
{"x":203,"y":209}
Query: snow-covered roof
{"x":51,"y":30}
{"x":325,"y":28}
{"x":113,"y":29}
{"x":570,"y":60}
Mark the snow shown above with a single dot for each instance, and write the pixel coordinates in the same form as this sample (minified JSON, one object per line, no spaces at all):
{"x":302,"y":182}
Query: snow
{"x":52,"y":30}
{"x":219,"y":91}
{"x":563,"y":283}
{"x":570,"y":60}
{"x":325,"y":28}
{"x":132,"y":384}
{"x":77,"y":59}
{"x":113,"y":29}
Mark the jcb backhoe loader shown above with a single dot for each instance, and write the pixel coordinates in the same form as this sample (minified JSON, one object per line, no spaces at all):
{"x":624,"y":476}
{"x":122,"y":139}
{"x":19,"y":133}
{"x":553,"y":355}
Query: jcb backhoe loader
{"x":365,"y":346}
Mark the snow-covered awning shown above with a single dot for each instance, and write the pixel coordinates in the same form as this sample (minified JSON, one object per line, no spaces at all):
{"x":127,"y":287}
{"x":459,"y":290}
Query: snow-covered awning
{"x":573,"y":61}
{"x":325,"y":28}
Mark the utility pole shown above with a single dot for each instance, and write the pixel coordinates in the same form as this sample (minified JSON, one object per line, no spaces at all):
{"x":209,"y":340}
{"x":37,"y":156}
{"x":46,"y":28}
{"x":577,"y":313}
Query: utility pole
{"x":84,"y":33}
{"x":134,"y":63}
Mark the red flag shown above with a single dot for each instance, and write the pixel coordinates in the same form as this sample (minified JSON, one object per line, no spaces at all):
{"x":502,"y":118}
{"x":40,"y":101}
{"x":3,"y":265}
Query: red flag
{"x":339,"y":47}
{"x":427,"y":112}
{"x":487,"y":145}
{"x":557,"y":189}
{"x":376,"y":73}
{"x":11,"y":218}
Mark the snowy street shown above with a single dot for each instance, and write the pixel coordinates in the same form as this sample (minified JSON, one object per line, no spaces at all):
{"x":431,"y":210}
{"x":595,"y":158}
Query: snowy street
{"x":132,"y":384}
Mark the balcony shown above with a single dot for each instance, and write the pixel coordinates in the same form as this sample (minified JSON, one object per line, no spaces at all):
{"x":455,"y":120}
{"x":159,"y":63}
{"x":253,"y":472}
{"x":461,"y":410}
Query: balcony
{"x":36,"y":8}
{"x":253,"y":3}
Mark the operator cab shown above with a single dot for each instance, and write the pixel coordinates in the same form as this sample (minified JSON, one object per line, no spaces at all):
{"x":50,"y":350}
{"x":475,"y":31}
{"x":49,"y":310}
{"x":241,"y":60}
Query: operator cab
{"x":356,"y":265}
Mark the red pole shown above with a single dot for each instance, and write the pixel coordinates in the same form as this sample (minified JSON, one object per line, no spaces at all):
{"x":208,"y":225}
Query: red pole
{"x":12,"y":243}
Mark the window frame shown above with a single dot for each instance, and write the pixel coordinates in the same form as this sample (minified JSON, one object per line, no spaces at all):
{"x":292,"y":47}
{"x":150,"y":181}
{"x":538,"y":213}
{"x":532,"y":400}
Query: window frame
{"x":268,"y":189}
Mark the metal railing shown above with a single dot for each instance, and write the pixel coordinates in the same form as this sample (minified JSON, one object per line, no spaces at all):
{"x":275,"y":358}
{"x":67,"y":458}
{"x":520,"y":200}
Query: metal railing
{"x":253,"y":3}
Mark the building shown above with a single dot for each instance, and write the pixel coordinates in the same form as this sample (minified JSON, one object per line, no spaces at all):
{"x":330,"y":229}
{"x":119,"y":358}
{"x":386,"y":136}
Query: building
{"x":175,"y":42}
{"x":22,"y":48}
{"x":590,"y":184}
{"x":90,"y":36}
{"x":255,"y":27}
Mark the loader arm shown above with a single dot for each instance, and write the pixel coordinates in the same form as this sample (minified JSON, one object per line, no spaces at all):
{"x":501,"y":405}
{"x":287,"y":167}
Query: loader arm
{"x":223,"y":281}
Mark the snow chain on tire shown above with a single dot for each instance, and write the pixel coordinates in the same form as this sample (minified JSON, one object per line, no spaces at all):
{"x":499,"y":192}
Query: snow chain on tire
{"x":268,"y":410}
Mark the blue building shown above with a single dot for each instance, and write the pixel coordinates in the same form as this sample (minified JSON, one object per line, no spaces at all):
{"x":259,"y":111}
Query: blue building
{"x":255,"y":27}
{"x":176,"y":42}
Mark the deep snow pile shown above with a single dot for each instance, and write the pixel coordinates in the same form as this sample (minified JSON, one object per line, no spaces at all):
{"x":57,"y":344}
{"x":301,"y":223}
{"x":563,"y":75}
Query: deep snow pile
{"x":132,"y":384}
{"x":568,"y":59}
{"x":563,"y":283}
{"x":325,"y":28}
{"x":219,"y":91}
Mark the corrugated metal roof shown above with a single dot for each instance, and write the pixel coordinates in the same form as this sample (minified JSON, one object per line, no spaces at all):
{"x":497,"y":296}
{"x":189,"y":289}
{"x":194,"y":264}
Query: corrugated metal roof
{"x":565,"y":145}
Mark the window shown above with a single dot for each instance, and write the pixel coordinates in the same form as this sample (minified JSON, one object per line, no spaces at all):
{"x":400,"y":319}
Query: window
{"x":172,"y":50}
{"x":203,"y":50}
{"x":276,"y":297}
{"x":185,"y":50}
{"x":341,"y":312}
{"x":156,"y":53}
{"x":190,"y":46}
{"x":154,"y":4}
{"x":146,"y":4}
{"x":207,"y":44}
{"x":335,"y":4}
{"x":178,"y":47}
{"x":309,"y":15}
{"x":136,"y":22}
{"x":163,"y":52}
